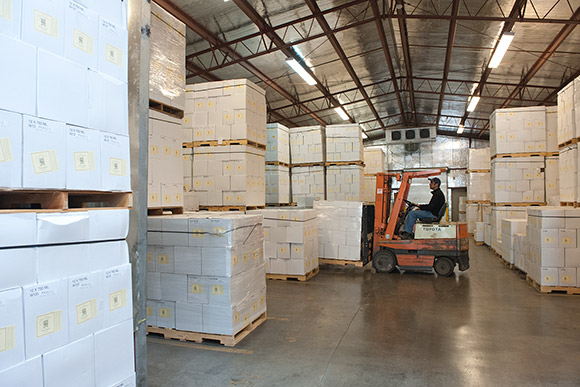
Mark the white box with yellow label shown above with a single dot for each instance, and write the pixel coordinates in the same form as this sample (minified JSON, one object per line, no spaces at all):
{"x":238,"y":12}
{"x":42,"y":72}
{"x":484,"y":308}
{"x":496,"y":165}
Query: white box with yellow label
{"x":374,"y":159}
{"x":44,"y":161}
{"x":188,"y":317}
{"x":112,"y":50}
{"x":114,"y":354}
{"x":278,"y":143}
{"x":10,"y":149}
{"x":72,"y":365}
{"x":549,"y":276}
{"x":85,"y":304}
{"x":349,"y":136}
{"x":108,"y":104}
{"x":11,"y":328}
{"x":43,"y":24}
{"x":118,"y":295}
{"x":567,"y":276}
{"x":11,"y":18}
{"x":28,"y":373}
{"x":166,"y":314}
{"x":115,"y":162}
{"x":197,"y":289}
{"x":225,"y":320}
{"x":45,"y":316}
{"x":83,"y":159}
{"x":151,"y":312}
{"x":81,"y":33}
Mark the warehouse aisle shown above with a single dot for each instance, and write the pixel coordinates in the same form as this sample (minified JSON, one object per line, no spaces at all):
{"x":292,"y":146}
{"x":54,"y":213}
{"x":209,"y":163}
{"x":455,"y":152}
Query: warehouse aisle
{"x":349,"y":327}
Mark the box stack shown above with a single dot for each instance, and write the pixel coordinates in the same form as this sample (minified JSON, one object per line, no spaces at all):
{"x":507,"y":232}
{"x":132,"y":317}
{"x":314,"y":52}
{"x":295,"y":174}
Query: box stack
{"x":306,"y":145}
{"x":554,"y":258}
{"x":277,"y":164}
{"x":518,"y":180}
{"x":479,"y":235}
{"x":339,"y":229}
{"x":344,"y":143}
{"x":290,"y":240}
{"x":374,"y":159}
{"x":478,"y":176}
{"x":66,"y":298}
{"x":167,"y":63}
{"x":568,"y":165}
{"x":509,"y":229}
{"x":552,"y":176}
{"x":344,"y":182}
{"x":230,"y":175}
{"x":344,"y":156}
{"x":568,"y":116}
{"x":308,"y":172}
{"x":230,"y":111}
{"x":518,"y":130}
{"x":206,"y":272}
{"x":497,"y":215}
{"x":521,"y":252}
{"x":307,"y":185}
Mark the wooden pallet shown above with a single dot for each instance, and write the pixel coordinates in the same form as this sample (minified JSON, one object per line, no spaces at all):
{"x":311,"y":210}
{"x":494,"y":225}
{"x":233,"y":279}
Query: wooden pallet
{"x":210,"y":143}
{"x":532,"y":204}
{"x":477,"y":202}
{"x":517,"y":155}
{"x":343,"y":163}
{"x":506,"y":263}
{"x":552,"y":289}
{"x":291,"y":277}
{"x":479,"y":243}
{"x":569,"y":204}
{"x":156,"y":211}
{"x":552,"y":154}
{"x":230,"y":208}
{"x":62,"y":200}
{"x":339,"y":262}
{"x":278,"y":163}
{"x":478,"y":171}
{"x":166,"y":109}
{"x":320,"y":164}
{"x":227,"y":340}
{"x":281,"y":204}
{"x":568,"y":143}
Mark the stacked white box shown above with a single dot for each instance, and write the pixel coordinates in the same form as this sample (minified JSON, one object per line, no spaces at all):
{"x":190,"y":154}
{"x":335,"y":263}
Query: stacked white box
{"x":551,"y":129}
{"x":369,"y":189}
{"x":517,"y":180}
{"x":232,"y":175}
{"x":568,"y":164}
{"x":211,"y":271}
{"x":277,"y":184}
{"x":344,"y":143}
{"x":497,"y":215}
{"x":344,"y":182}
{"x":479,"y":235}
{"x":307,"y":185}
{"x":167,"y":63}
{"x":479,"y":159}
{"x":521,"y":251}
{"x":290,"y":240}
{"x":339,"y":229}
{"x":473,"y":214}
{"x":374,"y":159}
{"x":226,"y":110}
{"x":552,"y":176}
{"x":568,"y":119}
{"x":518,"y":130}
{"x":554,"y":253}
{"x":509,"y":229}
{"x":478,"y":186}
{"x":166,"y":167}
{"x":306,"y":144}
{"x":278,"y":143}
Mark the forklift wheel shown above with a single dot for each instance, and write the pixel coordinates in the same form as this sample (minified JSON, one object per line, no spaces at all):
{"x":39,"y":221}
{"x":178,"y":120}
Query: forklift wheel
{"x":444,"y":266}
{"x":384,"y":261}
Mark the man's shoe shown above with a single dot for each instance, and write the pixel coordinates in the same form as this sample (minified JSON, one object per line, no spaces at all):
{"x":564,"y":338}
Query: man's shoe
{"x":406,"y":235}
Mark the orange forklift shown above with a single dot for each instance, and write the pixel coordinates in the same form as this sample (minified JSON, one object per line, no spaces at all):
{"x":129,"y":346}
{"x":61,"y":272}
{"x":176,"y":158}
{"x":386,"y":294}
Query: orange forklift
{"x":435,"y":246}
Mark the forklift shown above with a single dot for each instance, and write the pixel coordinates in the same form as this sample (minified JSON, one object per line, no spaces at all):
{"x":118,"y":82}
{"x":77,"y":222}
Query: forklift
{"x":436,"y":246}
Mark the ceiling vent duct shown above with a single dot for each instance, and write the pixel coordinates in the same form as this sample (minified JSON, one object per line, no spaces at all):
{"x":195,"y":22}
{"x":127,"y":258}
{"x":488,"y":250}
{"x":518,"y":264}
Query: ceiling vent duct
{"x":411,"y":135}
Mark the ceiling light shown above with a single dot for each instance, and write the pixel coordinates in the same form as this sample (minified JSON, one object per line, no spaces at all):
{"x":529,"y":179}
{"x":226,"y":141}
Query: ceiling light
{"x":473,"y":103}
{"x":341,"y":113}
{"x":501,"y":49}
{"x":300,"y":70}
{"x":460,"y":129}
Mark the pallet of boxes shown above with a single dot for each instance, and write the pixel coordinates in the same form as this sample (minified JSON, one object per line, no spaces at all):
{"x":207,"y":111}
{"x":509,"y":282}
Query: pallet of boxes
{"x":568,"y":137}
{"x":277,"y":165}
{"x":478,"y":191}
{"x":66,"y":314}
{"x":308,"y":169}
{"x":374,"y":159}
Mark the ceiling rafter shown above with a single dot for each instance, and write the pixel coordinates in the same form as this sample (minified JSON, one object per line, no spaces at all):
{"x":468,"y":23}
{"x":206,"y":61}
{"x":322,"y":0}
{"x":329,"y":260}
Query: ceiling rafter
{"x":401,"y":14}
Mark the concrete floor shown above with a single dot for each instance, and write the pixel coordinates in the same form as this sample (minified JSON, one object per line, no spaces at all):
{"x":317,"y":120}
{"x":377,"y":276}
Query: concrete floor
{"x":350,"y":327}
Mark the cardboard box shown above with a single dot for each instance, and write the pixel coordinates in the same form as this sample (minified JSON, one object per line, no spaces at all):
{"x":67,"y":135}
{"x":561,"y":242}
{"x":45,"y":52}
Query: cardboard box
{"x":44,"y":154}
{"x":118,"y":295}
{"x":70,"y":366}
{"x":105,"y":255}
{"x":28,"y":373}
{"x":45,"y":317}
{"x":174,"y":287}
{"x":43,"y":24}
{"x":197,"y":290}
{"x":187,"y":260}
{"x":114,"y":354}
{"x":108,"y":104}
{"x":11,"y":18}
{"x":154,"y":286}
{"x":62,"y":227}
{"x":22,"y":264}
{"x":17,"y":229}
{"x":83,"y":159}
{"x":63,"y":90}
{"x":113,"y":47}
{"x":151,"y":312}
{"x":115,"y":163}
{"x":129,"y":381}
{"x":188,"y":317}
{"x":11,"y":328}
{"x":81,"y":32}
{"x":567,"y":276}
{"x":85,"y":304}
{"x":18,"y":76}
{"x":10,"y":149}
{"x":108,"y":224}
{"x":166,"y":314}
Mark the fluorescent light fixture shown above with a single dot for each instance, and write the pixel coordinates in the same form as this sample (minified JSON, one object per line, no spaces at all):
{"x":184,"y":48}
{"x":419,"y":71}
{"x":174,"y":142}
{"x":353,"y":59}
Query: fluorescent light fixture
{"x":473,"y":103}
{"x":341,"y":113}
{"x":300,"y":70}
{"x":460,"y":129}
{"x":501,"y":49}
{"x":364,"y":135}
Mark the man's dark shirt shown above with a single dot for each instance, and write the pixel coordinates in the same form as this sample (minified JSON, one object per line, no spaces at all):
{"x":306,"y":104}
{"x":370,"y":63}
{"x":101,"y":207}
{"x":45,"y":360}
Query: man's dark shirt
{"x":436,"y":202}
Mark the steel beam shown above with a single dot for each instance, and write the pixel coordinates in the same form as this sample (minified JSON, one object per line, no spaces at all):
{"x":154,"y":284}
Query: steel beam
{"x":401,"y":14}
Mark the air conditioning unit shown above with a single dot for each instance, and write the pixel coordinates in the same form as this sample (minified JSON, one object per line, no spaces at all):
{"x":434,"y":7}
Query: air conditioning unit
{"x":411,"y":135}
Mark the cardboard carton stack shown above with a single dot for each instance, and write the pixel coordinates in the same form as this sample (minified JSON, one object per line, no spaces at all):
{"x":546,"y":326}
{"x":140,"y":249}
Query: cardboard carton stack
{"x":479,"y":235}
{"x":497,"y":215}
{"x":509,"y":229}
{"x":568,"y":116}
{"x":344,"y":182}
{"x":518,"y":180}
{"x":290,"y":240}
{"x":478,"y":175}
{"x":308,"y":185}
{"x":374,"y":159}
{"x":339,"y":229}
{"x":521,"y":251}
{"x":344,"y":143}
{"x":206,"y":272}
{"x":554,"y":258}
{"x":66,"y":314}
{"x":277,"y":164}
{"x":568,"y":165}
{"x":306,"y":145}
{"x":518,"y":130}
{"x":552,"y":176}
{"x":344,"y":154}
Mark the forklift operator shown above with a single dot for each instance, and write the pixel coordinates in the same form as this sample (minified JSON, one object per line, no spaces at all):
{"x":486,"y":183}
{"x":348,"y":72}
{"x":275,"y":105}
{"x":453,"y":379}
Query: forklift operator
{"x":425,"y":211}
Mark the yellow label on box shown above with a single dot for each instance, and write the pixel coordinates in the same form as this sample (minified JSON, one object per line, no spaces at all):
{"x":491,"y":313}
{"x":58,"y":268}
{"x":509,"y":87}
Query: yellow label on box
{"x":548,"y":278}
{"x":117,"y":300}
{"x":239,"y":199}
{"x":246,"y":257}
{"x":117,"y":167}
{"x":209,"y":182}
{"x":163,"y":259}
{"x":297,"y":249}
{"x":148,"y":257}
{"x":566,"y":241}
{"x":84,"y":161}
{"x":219,"y":231}
{"x":43,"y":162}
{"x":548,"y":240}
{"x":282,"y":250}
{"x":256,"y":254}
{"x":236,"y":317}
{"x":154,"y":149}
{"x":210,"y":103}
{"x":186,"y":121}
{"x":177,"y":197}
{"x":255,"y":306}
{"x":7,"y":338}
{"x":263,"y":300}
{"x":114,"y":55}
{"x":154,"y":198}
{"x":235,"y":259}
{"x":82,"y":41}
{"x":86,"y":311}
{"x":6,"y":9}
{"x":196,"y":289}
{"x":167,"y":150}
{"x":198,"y":233}
{"x":5,"y":150}
{"x":246,"y":319}
{"x":45,"y":23}
{"x":164,"y":312}
{"x":149,"y":311}
{"x":167,"y":199}
{"x":217,"y":290}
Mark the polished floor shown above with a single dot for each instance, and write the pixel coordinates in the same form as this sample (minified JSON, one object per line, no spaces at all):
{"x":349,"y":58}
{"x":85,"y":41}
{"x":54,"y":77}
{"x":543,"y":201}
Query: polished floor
{"x":351,"y":327}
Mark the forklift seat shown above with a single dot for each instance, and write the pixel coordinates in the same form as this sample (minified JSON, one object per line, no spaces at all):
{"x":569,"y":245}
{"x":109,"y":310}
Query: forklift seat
{"x":437,"y":219}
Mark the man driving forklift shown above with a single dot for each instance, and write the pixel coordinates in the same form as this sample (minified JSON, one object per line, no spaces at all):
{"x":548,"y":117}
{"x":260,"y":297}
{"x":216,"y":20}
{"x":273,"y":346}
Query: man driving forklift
{"x":425,"y":211}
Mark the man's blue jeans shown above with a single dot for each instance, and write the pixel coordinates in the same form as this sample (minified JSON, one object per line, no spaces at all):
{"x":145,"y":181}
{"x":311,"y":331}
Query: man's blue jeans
{"x":412,"y":218}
